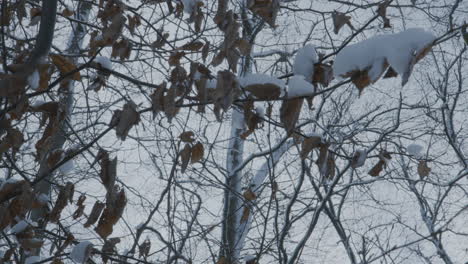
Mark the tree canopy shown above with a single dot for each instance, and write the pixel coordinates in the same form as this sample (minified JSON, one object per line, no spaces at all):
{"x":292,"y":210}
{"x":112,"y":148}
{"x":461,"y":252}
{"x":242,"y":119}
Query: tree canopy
{"x":233,"y":131}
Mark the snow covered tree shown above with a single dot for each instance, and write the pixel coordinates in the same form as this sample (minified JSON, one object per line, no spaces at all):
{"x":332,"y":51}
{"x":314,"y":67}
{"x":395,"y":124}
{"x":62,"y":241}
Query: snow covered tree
{"x":233,"y":131}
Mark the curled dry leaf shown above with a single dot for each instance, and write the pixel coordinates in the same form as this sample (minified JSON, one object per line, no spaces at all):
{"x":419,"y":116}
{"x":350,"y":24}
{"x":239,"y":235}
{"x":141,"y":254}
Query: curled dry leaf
{"x":227,"y":90}
{"x":170,"y":108}
{"x":249,"y":195}
{"x":339,"y":20}
{"x":266,"y":9}
{"x":205,"y":50}
{"x":122,"y":49}
{"x":126,"y":120}
{"x":323,"y":74}
{"x":384,"y":157}
{"x":245,"y":214}
{"x":157,"y":99}
{"x":309,"y":144}
{"x":95,"y":213}
{"x":65,"y":66}
{"x":44,"y":76}
{"x":14,"y":139}
{"x":377,"y":169}
{"x":192,"y":46}
{"x":133,"y":22}
{"x":289,"y":113}
{"x":423,"y":169}
{"x":197,"y":153}
{"x":9,"y":190}
{"x":174,"y":58}
{"x":464,"y":33}
{"x":218,"y":59}
{"x":109,"y":247}
{"x":80,"y":203}
{"x":144,"y":248}
{"x":108,"y":170}
{"x":252,"y":119}
{"x":382,"y":12}
{"x":113,"y":32}
{"x":390,"y":73}
{"x":54,"y":157}
{"x":185,"y":155}
{"x":187,"y":136}
{"x":161,"y":39}
{"x":112,"y":213}
{"x":244,"y":46}
{"x":65,"y":196}
{"x":265,"y":91}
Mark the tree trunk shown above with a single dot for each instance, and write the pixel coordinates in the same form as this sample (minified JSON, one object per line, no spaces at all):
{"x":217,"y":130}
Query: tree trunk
{"x":66,"y":102}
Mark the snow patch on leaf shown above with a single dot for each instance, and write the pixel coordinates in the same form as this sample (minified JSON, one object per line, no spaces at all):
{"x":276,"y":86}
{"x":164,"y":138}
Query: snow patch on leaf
{"x":259,"y":78}
{"x":304,"y":62}
{"x":80,"y":253}
{"x":298,"y":86}
{"x":400,"y":51}
{"x":104,"y":62}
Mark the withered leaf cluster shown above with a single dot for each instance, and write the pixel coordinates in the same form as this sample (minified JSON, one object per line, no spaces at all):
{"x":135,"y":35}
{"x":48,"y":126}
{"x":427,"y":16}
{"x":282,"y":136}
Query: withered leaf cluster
{"x":192,"y":152}
{"x":116,"y":199}
{"x":339,"y":20}
{"x":125,"y":119}
{"x":384,"y":158}
{"x":252,"y":119}
{"x":266,"y":9}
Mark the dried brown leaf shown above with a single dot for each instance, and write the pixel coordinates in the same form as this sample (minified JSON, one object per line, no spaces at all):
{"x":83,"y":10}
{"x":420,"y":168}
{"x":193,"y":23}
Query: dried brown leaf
{"x":157,"y":99}
{"x":187,"y":136}
{"x":390,"y":73}
{"x":377,"y":169}
{"x":128,"y":118}
{"x":95,"y":213}
{"x":205,"y":50}
{"x":339,"y":20}
{"x":249,"y":195}
{"x":266,"y":9}
{"x":245,"y":214}
{"x":197,"y":153}
{"x":65,"y":66}
{"x":109,"y":248}
{"x":65,"y":196}
{"x":174,"y":58}
{"x":80,"y":203}
{"x":185,"y":157}
{"x":323,"y":74}
{"x":67,"y":12}
{"x":244,"y":46}
{"x":266,"y":91}
{"x":423,"y":169}
{"x":289,"y":113}
{"x":192,"y":46}
{"x":112,"y":213}
{"x":309,"y":144}
{"x":113,"y":32}
{"x":144,"y":248}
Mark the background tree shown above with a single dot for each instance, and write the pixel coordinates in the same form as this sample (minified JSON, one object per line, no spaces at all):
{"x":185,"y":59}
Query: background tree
{"x":252,"y":131}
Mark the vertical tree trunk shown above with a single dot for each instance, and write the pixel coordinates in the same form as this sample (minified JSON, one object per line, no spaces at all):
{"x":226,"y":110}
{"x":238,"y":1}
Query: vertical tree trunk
{"x":66,"y":102}
{"x":232,"y":202}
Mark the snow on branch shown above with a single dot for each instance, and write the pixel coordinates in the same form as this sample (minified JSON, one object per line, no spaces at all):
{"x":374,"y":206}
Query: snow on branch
{"x":366,"y":61}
